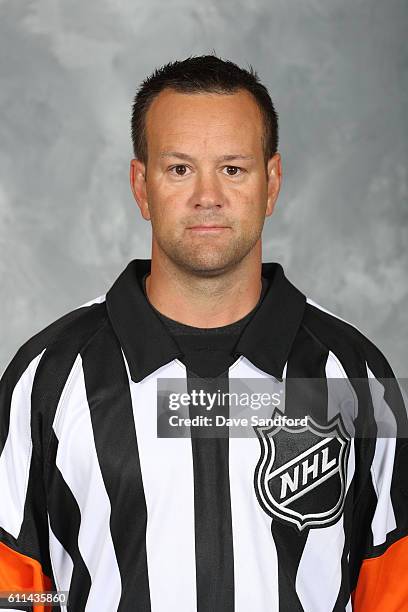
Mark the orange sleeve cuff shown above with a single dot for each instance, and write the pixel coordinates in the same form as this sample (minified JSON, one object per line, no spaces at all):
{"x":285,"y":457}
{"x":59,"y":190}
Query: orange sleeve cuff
{"x":382,"y":584}
{"x":19,"y":572}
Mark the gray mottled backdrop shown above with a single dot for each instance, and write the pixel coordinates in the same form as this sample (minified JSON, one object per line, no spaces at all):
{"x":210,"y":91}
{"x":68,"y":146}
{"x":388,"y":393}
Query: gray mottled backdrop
{"x":337,"y":71}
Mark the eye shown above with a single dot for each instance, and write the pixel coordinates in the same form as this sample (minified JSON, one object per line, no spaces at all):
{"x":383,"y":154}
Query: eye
{"x":234,"y":170}
{"x":179,"y":170}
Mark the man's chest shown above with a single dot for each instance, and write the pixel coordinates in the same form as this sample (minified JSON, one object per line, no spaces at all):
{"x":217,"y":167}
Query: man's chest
{"x":256,"y":513}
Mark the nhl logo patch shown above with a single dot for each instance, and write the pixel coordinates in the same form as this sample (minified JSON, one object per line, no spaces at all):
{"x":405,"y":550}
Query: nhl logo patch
{"x":301,"y":474}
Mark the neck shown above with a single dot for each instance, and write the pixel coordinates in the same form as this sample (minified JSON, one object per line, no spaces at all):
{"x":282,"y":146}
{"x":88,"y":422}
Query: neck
{"x":205,"y":301}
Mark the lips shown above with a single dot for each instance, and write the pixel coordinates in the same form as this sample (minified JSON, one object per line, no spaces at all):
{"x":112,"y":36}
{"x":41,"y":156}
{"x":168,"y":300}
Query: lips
{"x":208,"y":226}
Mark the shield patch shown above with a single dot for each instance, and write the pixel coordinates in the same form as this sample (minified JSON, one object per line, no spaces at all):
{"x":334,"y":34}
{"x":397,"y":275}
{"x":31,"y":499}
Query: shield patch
{"x":301,"y":475}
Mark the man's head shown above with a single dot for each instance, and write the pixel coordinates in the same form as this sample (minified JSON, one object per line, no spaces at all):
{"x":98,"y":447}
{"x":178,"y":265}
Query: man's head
{"x":205,"y":138}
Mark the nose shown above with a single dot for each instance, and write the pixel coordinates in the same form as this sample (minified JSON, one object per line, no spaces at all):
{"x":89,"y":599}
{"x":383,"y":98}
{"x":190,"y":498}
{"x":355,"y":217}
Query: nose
{"x":207,"y":193}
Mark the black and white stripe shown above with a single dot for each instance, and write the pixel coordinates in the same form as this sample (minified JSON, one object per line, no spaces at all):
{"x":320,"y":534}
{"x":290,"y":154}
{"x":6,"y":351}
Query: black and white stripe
{"x":125,"y":520}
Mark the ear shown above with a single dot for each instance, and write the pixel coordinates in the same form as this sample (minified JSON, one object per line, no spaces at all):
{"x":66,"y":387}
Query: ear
{"x":137,"y":177}
{"x":274,"y":171}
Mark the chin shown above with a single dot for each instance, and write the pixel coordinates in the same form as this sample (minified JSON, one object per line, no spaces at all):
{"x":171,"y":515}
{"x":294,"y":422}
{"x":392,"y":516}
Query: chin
{"x":206,"y":266}
{"x":206,"y":260}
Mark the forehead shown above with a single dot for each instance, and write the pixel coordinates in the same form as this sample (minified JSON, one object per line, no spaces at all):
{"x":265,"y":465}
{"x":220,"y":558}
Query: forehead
{"x":204,"y":122}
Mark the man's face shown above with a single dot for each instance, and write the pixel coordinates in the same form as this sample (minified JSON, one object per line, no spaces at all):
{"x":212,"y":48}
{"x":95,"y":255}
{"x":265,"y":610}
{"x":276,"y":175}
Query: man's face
{"x":205,"y":189}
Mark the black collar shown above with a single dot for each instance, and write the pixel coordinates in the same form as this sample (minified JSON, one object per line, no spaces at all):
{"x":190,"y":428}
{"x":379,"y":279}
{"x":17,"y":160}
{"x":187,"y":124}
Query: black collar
{"x":266,"y":340}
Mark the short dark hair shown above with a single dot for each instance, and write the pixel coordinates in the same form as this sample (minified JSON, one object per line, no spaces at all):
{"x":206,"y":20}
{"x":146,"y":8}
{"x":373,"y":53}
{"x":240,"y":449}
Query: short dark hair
{"x":202,"y":74}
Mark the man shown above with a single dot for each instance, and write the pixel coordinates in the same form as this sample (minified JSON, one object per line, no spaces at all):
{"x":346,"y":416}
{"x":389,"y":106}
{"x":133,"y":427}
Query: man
{"x":96,"y":503}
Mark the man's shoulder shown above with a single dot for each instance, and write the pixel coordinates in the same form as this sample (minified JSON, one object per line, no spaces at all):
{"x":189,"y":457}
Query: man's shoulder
{"x":349,"y":344}
{"x":66,"y":334}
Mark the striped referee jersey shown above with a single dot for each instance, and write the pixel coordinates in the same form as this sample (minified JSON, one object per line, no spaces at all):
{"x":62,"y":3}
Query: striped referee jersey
{"x":95,"y":503}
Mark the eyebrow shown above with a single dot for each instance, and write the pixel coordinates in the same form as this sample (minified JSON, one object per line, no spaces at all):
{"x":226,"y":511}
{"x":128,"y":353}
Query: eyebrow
{"x":186,"y":157}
